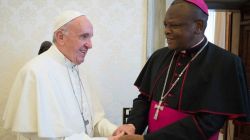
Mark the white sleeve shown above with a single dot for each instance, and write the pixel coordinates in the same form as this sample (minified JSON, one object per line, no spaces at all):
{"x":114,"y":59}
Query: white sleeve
{"x":81,"y":136}
{"x":104,"y":128}
{"x":33,"y":136}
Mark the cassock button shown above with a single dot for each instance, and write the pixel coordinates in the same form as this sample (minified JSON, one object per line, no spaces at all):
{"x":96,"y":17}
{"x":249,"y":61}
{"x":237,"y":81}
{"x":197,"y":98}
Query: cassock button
{"x":178,"y":64}
{"x":183,"y":55}
{"x":175,"y":74}
{"x":170,"y":94}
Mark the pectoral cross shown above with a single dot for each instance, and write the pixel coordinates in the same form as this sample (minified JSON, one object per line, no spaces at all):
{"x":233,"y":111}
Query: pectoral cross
{"x":158,"y":108}
{"x":85,"y":122}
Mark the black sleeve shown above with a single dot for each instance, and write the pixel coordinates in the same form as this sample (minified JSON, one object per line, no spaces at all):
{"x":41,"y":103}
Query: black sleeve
{"x":198,"y":127}
{"x":139,"y":113}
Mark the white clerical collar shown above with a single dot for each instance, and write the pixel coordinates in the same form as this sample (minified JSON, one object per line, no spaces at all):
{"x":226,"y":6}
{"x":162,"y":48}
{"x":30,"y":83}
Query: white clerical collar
{"x":68,"y":63}
{"x":184,"y":51}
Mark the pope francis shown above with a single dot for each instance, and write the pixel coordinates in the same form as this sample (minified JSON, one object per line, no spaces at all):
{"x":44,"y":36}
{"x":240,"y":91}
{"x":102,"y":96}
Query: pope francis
{"x":49,"y":99}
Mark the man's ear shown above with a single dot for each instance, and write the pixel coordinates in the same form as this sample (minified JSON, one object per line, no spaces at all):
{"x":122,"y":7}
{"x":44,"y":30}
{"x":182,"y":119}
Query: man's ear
{"x":59,"y":36}
{"x":199,"y":26}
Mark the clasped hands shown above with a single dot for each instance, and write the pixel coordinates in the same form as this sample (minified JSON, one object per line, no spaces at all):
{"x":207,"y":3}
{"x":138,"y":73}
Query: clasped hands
{"x":125,"y":132}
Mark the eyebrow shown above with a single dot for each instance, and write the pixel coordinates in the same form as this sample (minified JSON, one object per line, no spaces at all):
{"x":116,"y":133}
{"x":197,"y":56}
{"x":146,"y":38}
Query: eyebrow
{"x":86,"y":35}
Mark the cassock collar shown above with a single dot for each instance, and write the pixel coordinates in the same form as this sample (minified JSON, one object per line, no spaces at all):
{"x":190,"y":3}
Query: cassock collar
{"x":196,"y":47}
{"x":61,"y":58}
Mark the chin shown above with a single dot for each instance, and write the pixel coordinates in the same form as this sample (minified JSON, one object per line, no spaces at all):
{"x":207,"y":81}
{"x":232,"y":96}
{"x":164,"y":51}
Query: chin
{"x":80,"y":62}
{"x":175,"y":47}
{"x":171,"y":47}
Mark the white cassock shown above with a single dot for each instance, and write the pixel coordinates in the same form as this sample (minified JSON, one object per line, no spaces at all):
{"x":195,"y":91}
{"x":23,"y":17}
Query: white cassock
{"x":47,"y":99}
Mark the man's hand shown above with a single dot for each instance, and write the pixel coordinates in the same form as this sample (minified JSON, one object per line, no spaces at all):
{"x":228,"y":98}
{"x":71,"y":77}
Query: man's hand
{"x":116,"y":137}
{"x":131,"y":137}
{"x":128,"y":129}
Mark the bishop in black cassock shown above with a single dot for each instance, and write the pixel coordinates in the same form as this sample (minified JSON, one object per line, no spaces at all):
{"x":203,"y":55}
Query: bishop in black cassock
{"x":190,"y":88}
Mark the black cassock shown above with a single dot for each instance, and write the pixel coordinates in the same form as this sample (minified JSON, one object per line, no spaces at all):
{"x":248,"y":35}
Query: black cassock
{"x":212,"y":89}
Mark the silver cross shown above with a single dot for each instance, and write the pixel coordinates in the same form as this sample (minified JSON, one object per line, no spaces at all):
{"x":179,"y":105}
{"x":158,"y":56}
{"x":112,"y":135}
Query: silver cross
{"x":158,"y":108}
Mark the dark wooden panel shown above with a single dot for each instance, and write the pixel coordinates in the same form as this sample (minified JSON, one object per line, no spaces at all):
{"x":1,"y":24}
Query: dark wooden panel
{"x":243,"y":132}
{"x":244,"y":51}
{"x":225,"y":4}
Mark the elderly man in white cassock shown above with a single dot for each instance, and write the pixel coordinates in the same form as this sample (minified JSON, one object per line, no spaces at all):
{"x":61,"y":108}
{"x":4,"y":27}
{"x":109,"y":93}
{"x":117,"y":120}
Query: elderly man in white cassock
{"x":49,"y":100}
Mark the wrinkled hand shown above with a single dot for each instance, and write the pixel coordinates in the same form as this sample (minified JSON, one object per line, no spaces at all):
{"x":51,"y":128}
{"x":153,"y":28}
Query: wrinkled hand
{"x":128,"y":129}
{"x":131,"y":137}
{"x":117,"y":136}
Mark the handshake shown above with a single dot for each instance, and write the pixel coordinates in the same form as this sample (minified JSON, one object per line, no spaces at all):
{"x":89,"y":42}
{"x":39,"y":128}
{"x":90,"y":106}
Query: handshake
{"x":125,"y":132}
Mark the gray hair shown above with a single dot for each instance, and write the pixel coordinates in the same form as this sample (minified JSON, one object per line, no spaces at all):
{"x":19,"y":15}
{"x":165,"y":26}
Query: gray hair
{"x":63,"y":29}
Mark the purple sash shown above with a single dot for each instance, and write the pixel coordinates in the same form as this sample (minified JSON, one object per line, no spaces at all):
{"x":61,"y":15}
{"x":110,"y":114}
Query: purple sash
{"x":166,"y":117}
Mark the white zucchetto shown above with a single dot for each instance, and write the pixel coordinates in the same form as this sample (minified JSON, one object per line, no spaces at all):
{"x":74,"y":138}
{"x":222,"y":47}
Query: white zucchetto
{"x":66,"y":17}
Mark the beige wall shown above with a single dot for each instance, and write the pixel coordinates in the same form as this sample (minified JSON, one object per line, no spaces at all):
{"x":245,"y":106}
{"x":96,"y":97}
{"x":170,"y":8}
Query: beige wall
{"x":117,"y":56}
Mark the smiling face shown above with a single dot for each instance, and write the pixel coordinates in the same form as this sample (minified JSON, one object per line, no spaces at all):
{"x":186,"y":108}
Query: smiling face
{"x":181,"y":28}
{"x":75,"y":39}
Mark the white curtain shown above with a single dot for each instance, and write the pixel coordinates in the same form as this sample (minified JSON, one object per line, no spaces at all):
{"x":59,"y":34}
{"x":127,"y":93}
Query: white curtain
{"x":155,"y":28}
{"x":220,"y":29}
{"x":211,"y":26}
{"x":216,"y":28}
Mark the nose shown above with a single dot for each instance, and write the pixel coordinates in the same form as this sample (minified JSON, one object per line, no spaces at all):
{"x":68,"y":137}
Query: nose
{"x":167,"y":30}
{"x":88,"y":44}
